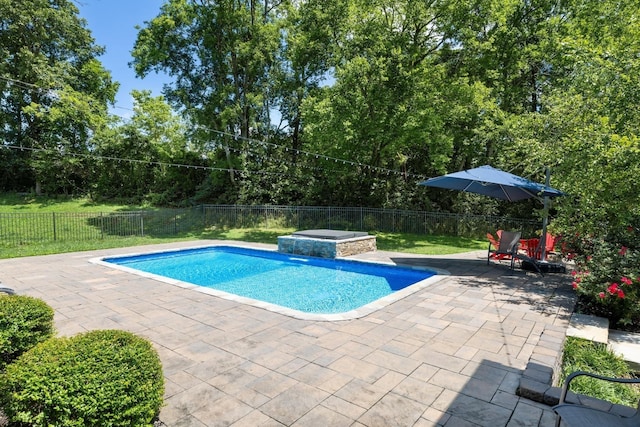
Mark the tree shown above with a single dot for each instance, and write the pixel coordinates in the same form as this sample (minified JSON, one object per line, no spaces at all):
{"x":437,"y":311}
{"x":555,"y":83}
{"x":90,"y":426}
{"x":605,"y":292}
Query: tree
{"x":220,"y":54}
{"x":392,"y":107}
{"x":587,"y":128}
{"x":55,"y":92}
{"x":148,"y":157}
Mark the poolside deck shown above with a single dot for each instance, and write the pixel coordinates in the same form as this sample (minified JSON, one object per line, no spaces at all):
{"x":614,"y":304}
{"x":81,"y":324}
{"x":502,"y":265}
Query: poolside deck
{"x":449,"y":355}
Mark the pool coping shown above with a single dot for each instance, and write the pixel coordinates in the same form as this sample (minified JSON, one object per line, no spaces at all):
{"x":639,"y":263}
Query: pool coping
{"x":297,"y":314}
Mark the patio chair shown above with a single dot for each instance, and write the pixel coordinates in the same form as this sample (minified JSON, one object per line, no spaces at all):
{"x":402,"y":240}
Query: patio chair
{"x":580,"y":415}
{"x":7,"y":291}
{"x":550,"y":243}
{"x":505,"y":248}
{"x":493,"y":242}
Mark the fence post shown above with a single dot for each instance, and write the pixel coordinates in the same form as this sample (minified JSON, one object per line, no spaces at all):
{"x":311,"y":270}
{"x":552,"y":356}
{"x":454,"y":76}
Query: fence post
{"x":101,"y":226}
{"x":53,"y":216}
{"x":393,"y":222}
{"x":235,"y":216}
{"x":141,"y":224}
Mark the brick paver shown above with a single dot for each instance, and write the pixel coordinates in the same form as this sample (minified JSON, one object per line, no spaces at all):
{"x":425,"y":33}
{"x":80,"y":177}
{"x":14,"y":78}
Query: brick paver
{"x":449,"y":355}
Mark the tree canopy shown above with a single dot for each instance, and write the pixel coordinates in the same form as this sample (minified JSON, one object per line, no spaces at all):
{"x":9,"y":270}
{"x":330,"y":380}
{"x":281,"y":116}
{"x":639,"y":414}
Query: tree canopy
{"x":333,"y":102}
{"x":54,"y":93}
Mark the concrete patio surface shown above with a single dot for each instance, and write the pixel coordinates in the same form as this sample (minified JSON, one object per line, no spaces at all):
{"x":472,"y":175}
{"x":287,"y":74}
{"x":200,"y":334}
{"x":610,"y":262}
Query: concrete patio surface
{"x":452,"y":354}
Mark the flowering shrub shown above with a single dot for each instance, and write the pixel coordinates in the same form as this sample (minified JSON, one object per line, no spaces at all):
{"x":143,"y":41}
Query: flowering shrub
{"x":607,"y":278}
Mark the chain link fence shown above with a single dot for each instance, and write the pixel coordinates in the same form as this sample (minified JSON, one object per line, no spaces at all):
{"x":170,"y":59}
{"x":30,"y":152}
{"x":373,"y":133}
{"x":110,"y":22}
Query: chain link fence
{"x":30,"y":228}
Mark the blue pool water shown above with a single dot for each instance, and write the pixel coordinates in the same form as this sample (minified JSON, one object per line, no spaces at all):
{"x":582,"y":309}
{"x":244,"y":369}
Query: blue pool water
{"x":307,"y":284}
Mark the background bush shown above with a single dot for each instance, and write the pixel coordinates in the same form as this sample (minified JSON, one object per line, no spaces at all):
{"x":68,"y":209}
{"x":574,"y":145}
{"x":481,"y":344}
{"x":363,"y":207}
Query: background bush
{"x":24,"y":322}
{"x":607,"y":278}
{"x":100,"y":378}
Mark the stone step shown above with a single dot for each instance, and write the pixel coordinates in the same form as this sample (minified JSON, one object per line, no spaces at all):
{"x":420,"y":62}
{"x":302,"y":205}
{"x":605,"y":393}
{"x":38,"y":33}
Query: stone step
{"x":588,"y":327}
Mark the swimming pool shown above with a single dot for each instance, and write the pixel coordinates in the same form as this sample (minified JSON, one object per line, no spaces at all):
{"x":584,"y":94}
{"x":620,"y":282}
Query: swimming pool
{"x":296,"y":285}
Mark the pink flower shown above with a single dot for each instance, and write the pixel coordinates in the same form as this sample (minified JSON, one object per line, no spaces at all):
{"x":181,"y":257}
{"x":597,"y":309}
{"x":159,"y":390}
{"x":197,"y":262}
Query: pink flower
{"x":574,"y":285}
{"x":613,"y":288}
{"x":626,"y":281}
{"x":623,"y":250}
{"x":589,"y":257}
{"x":620,"y":293}
{"x":574,"y":273}
{"x":601,"y":295}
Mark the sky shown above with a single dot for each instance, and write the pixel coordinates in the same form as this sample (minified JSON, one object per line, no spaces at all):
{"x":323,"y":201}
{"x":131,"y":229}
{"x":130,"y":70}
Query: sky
{"x":112,"y":24}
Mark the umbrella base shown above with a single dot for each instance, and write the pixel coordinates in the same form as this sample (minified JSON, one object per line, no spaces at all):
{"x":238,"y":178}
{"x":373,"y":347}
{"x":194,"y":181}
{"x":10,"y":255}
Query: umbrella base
{"x":543,"y":266}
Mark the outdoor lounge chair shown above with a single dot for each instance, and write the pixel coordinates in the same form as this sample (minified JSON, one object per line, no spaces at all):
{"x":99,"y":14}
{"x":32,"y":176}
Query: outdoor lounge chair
{"x":579,"y":415}
{"x":505,"y":248}
{"x":493,"y":242}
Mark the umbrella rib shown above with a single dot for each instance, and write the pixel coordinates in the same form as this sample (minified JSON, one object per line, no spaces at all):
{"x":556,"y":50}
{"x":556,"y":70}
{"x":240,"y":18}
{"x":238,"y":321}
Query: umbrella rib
{"x":505,"y":193}
{"x":467,"y":186}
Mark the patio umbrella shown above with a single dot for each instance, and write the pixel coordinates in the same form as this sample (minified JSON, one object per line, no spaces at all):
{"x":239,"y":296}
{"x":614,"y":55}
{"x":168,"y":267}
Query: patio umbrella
{"x":492,"y":182}
{"x":499,"y":184}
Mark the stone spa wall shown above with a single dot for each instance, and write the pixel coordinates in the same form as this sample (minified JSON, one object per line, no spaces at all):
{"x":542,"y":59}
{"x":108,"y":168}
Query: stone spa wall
{"x":326,"y":248}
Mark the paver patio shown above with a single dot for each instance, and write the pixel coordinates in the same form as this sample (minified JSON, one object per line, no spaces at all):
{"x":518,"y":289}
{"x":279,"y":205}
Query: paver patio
{"x":448,"y":355}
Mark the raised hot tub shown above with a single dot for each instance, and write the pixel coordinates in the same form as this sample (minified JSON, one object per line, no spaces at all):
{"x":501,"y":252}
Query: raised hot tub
{"x":325,"y":243}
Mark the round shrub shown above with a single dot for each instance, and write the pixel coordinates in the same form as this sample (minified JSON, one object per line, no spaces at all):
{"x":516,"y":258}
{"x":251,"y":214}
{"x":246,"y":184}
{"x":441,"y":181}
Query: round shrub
{"x":100,"y":378}
{"x":24,"y":322}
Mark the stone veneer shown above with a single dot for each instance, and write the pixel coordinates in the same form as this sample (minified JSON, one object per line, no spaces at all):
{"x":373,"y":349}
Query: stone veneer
{"x":326,"y":248}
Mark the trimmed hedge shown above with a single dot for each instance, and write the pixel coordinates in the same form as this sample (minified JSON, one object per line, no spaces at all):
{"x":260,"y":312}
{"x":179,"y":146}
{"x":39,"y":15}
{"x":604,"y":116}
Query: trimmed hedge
{"x":99,"y":378}
{"x":24,"y":322}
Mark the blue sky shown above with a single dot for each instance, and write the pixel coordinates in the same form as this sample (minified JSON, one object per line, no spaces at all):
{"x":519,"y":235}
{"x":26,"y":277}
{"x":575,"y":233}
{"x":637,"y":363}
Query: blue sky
{"x":112,"y":24}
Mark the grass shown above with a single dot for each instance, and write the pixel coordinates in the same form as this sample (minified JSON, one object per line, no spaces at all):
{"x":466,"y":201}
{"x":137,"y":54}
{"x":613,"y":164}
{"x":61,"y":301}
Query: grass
{"x":12,"y":203}
{"x":395,"y":242}
{"x":585,"y":355}
{"x":427,"y":245}
{"x":48,"y":248}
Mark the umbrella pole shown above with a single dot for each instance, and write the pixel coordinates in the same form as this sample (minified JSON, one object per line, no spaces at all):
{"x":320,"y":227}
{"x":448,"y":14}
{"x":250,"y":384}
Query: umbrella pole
{"x":545,"y":218}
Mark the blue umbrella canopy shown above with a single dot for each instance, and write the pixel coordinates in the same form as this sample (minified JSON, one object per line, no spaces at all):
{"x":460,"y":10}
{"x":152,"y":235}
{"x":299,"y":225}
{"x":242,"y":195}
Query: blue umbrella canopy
{"x":492,"y":182}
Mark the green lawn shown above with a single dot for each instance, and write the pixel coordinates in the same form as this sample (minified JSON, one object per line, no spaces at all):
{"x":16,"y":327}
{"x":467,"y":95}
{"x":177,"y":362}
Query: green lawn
{"x":11,"y":203}
{"x":30,"y":203}
{"x":589,"y":356}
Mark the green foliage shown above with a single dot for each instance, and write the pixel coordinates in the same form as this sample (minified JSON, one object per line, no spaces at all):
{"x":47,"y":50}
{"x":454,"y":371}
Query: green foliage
{"x":589,"y":356}
{"x":138,"y":158}
{"x":373,"y":97}
{"x":587,"y":126}
{"x":24,"y":322}
{"x":607,"y":277}
{"x":221,"y":54}
{"x":100,"y":378}
{"x":55,"y":93}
